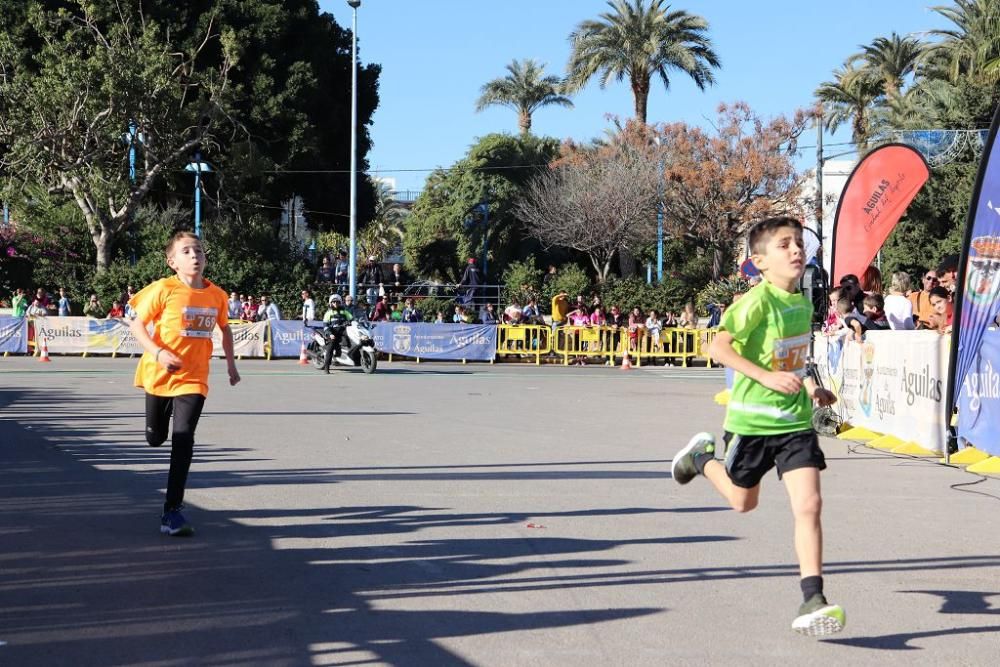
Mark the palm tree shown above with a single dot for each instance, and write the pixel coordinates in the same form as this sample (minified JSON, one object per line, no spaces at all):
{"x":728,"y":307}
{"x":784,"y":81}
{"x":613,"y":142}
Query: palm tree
{"x":851,"y":97}
{"x":525,"y":90}
{"x":891,"y":59}
{"x":385,"y":231}
{"x":638,"y":41}
{"x":972,"y":47}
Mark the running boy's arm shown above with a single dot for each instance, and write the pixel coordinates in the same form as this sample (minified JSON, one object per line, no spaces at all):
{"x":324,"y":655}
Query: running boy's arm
{"x":162,"y":355}
{"x":723,"y":352}
{"x":227,"y":348}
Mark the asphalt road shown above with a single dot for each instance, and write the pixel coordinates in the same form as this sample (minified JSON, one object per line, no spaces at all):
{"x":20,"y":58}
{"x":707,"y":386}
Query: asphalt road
{"x":457,"y":515}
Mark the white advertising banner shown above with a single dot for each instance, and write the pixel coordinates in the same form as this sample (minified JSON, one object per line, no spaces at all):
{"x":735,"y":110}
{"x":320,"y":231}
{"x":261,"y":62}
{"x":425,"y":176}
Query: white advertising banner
{"x":248,"y":339}
{"x":892,"y":383}
{"x":79,"y":335}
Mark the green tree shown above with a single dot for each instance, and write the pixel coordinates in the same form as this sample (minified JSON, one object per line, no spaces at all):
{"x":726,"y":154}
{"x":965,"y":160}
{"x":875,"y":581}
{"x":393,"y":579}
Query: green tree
{"x":972,"y":47}
{"x":639,"y":41}
{"x":386,"y":230}
{"x":496,"y":169}
{"x":525,"y":89}
{"x":891,"y":59}
{"x":851,"y":96}
{"x":96,"y":71}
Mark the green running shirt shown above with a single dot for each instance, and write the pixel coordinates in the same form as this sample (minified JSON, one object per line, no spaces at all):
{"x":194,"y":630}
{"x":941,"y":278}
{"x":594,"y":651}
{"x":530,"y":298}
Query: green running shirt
{"x":771,"y":328}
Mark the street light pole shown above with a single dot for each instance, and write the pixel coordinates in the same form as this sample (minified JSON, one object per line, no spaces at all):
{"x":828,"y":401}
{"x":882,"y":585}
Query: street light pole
{"x":353,"y":257}
{"x":659,"y":218}
{"x":197,"y":166}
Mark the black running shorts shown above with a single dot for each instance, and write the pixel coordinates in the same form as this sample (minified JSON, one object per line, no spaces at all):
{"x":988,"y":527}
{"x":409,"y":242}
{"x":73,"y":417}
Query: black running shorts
{"x":750,"y":457}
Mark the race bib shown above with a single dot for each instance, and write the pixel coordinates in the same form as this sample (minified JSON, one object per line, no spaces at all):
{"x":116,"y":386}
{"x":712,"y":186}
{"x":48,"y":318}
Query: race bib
{"x":197,"y":322}
{"x":790,"y":354}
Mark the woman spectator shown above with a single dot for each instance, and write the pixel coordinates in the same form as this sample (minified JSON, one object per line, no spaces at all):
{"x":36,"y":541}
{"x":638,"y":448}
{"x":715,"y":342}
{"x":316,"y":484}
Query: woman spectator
{"x":871,"y":280}
{"x":688,"y":319}
{"x":636,"y":324}
{"x":36,"y":309}
{"x":489,"y":315}
{"x":578,"y":317}
{"x":117,"y":310}
{"x":513,"y":313}
{"x":249,"y":311}
{"x":93,"y":308}
{"x":597,"y":318}
{"x":898,"y":308}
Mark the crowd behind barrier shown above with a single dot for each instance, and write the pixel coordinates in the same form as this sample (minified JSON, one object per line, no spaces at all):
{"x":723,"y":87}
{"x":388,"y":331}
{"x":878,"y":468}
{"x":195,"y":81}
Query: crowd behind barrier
{"x":465,"y":342}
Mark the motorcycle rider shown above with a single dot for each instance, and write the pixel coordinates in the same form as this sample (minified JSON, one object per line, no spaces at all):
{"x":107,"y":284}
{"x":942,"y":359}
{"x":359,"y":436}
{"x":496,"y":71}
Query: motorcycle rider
{"x":336,"y":319}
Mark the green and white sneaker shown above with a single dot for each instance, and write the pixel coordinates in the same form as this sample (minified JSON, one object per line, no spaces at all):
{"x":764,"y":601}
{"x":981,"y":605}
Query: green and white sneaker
{"x":682,"y":468}
{"x":818,"y":618}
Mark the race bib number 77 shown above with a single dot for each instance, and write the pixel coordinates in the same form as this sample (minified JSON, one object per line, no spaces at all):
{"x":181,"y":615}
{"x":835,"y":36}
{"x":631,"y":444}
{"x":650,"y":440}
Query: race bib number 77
{"x":790,"y":354}
{"x":197,"y":322}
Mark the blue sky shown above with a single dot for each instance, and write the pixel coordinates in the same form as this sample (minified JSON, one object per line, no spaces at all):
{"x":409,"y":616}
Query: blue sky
{"x":435,"y":55}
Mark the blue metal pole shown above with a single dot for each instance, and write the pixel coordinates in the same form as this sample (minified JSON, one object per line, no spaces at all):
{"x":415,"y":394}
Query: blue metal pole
{"x":659,"y":229}
{"x":353,"y":257}
{"x":6,"y":214}
{"x":197,"y":196}
{"x":131,"y":152}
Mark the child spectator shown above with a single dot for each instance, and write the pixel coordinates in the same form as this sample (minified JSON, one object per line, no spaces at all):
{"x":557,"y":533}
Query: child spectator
{"x":653,"y":327}
{"x":898,"y":308}
{"x":36,"y":309}
{"x":64,"y":306}
{"x":19,"y":304}
{"x":397,"y":314}
{"x":459,"y":316}
{"x":597,"y":318}
{"x":184,"y":310}
{"x":941,"y":303}
{"x":871,"y":319}
{"x":117,"y":310}
{"x":636,"y":323}
{"x":249,"y":311}
{"x":439,"y":318}
{"x":512,"y":314}
{"x":530,"y":314}
{"x":381,"y":311}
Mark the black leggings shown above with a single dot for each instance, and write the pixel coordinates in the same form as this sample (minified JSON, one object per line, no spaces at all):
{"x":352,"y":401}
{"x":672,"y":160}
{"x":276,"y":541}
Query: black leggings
{"x":186,"y":410}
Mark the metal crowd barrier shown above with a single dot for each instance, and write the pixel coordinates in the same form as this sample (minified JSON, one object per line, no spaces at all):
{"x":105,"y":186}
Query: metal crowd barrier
{"x":524,"y":340}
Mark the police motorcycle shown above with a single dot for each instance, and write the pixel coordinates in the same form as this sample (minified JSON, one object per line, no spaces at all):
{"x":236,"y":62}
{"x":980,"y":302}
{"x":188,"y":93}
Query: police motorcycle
{"x":357,"y":347}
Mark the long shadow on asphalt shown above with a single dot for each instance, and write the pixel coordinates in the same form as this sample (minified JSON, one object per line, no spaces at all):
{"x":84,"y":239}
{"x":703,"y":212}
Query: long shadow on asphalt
{"x":86,"y":579}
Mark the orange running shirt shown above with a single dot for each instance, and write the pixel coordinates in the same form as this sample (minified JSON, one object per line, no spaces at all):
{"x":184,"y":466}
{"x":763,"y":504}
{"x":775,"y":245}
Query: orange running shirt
{"x":184,"y":319}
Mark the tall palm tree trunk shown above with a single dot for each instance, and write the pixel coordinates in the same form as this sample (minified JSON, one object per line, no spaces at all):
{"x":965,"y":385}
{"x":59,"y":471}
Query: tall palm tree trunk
{"x":640,"y":94}
{"x":524,"y":122}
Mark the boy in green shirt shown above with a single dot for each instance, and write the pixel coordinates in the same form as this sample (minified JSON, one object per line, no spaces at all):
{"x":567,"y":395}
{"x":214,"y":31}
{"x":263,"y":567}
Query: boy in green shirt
{"x":764,"y":337}
{"x":20,"y":303}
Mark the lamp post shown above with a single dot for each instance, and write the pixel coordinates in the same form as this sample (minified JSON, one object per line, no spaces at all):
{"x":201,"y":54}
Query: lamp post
{"x":198,"y":167}
{"x":353,"y":256}
{"x":132,"y":137}
{"x":659,"y":214}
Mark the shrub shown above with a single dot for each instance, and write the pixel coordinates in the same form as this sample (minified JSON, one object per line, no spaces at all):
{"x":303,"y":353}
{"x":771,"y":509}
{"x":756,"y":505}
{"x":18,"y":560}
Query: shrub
{"x":671,"y":294}
{"x":522,"y":281}
{"x":570,"y":278}
{"x":721,"y":292}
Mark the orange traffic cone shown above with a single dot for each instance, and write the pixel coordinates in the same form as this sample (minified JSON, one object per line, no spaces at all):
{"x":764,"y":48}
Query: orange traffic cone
{"x":45,"y":351}
{"x":303,"y":360}
{"x":626,"y":362}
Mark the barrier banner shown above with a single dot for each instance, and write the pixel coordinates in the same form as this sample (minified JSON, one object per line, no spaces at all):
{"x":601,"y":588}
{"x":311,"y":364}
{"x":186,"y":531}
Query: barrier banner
{"x":979,"y":400}
{"x":64,"y":335}
{"x":13,"y":335}
{"x":248,"y":339}
{"x":473,"y":342}
{"x":875,"y":197}
{"x":287,"y":337}
{"x":110,"y":336}
{"x":892,"y":383}
{"x":977,"y":295}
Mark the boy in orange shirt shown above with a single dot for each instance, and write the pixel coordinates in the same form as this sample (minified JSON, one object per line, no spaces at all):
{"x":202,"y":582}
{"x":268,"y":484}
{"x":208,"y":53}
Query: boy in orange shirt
{"x":184,"y":310}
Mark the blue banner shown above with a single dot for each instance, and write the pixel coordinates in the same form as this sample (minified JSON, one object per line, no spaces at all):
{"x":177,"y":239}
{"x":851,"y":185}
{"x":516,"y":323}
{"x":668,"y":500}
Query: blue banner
{"x":13,"y":334}
{"x":979,"y":400}
{"x":977,"y":297}
{"x":287,"y":337}
{"x":473,"y":342}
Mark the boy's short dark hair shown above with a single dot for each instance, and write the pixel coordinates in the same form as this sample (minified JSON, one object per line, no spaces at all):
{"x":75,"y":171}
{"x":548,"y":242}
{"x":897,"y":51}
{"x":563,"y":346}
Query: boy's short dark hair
{"x":844,"y":305}
{"x":940,"y":292}
{"x":762,"y":232}
{"x":875,"y":301}
{"x":948,"y":264}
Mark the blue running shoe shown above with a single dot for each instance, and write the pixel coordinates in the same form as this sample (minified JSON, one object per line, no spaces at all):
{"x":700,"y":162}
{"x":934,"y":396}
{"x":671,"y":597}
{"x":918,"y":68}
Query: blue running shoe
{"x":174,"y":524}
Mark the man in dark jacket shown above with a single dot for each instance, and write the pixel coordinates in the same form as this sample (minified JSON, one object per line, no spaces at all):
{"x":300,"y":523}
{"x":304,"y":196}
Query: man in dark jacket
{"x":371,"y":278}
{"x":470,"y":280}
